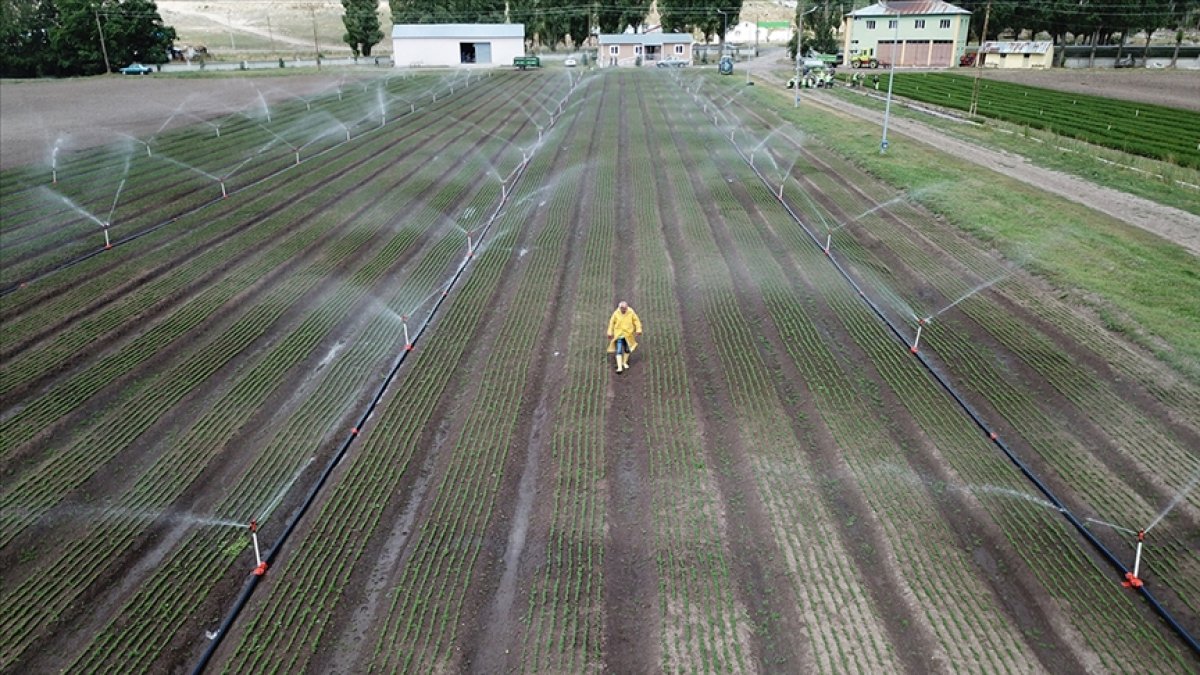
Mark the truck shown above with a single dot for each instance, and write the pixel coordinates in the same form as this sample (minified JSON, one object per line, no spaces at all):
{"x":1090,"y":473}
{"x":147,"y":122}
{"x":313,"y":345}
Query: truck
{"x":524,"y":62}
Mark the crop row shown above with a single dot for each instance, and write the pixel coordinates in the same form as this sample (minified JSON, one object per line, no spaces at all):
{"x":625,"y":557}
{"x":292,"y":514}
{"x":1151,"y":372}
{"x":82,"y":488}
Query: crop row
{"x":1168,"y":134}
{"x":564,"y":617}
{"x":179,"y":466}
{"x":923,"y":413}
{"x":937,"y":421}
{"x":703,"y":620}
{"x":906,"y":515}
{"x":423,"y":622}
{"x":364,"y":227}
{"x":200,"y":562}
{"x":255,"y":223}
{"x":181,"y":177}
{"x":286,"y":619}
{"x":1158,"y":456}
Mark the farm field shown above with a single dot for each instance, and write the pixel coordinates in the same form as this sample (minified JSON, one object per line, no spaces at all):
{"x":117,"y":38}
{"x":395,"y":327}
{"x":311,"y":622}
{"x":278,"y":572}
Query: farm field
{"x":396,"y":289}
{"x":1159,"y":132}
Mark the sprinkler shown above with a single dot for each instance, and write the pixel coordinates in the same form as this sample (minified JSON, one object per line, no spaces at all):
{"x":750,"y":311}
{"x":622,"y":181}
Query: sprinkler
{"x":408,"y":346}
{"x":828,"y":241}
{"x":297,"y":158}
{"x":107,"y":244}
{"x":223,"y":193}
{"x":1131,"y":578}
{"x":920,"y":324}
{"x":470,"y":247}
{"x":261,"y":568}
{"x":54,"y":176}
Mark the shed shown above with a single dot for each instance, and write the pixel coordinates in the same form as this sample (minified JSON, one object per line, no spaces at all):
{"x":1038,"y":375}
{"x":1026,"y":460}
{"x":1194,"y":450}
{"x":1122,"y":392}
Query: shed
{"x":646,"y":49}
{"x":1018,"y":54}
{"x":457,"y":44}
{"x":923,"y":33}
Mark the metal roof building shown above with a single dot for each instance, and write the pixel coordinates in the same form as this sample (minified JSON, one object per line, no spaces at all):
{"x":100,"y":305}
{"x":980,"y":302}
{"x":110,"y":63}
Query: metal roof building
{"x":457,"y":44}
{"x":922,"y":33}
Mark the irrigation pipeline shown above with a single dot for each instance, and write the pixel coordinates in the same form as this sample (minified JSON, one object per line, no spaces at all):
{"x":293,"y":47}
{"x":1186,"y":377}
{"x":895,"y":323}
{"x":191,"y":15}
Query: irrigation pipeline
{"x":196,"y":209}
{"x":252,"y":582}
{"x":942,"y":380}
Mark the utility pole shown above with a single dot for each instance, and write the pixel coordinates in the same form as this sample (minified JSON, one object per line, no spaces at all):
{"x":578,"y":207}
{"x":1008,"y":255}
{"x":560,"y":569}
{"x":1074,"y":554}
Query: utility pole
{"x":887,"y":108}
{"x":229,"y":24}
{"x":103,"y":47}
{"x":271,"y":34}
{"x":987,"y":13}
{"x":799,"y":52}
{"x":312,"y":11}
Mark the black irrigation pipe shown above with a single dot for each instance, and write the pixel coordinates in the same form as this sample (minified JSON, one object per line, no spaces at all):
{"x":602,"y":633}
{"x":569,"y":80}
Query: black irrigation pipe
{"x":941,"y":379}
{"x":58,"y":267}
{"x":252,"y":582}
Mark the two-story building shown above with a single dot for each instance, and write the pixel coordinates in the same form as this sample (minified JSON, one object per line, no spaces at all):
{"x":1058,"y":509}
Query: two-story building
{"x":645,"y":49}
{"x":920,"y":33}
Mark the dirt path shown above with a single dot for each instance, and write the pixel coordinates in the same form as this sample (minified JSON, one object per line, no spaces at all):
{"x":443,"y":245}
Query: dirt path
{"x":1169,"y":223}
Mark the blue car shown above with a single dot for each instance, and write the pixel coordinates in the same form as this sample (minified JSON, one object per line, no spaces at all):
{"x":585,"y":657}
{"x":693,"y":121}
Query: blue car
{"x":136,"y":69}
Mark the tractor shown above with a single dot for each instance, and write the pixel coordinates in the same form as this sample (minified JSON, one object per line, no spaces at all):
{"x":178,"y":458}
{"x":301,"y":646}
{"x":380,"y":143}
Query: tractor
{"x":863,"y":61}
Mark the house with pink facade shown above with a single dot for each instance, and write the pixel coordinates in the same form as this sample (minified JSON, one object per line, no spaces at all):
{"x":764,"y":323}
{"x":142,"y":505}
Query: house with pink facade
{"x":643,"y":49}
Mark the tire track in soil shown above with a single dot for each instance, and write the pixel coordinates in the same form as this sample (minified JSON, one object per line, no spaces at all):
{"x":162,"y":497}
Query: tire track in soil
{"x":751,"y":546}
{"x":1074,"y":421}
{"x":492,"y":635}
{"x":1023,"y":601}
{"x":631,"y":622}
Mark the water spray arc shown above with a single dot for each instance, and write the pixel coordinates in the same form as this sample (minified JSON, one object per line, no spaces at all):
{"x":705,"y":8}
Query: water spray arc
{"x":985,"y":427}
{"x":408,"y":347}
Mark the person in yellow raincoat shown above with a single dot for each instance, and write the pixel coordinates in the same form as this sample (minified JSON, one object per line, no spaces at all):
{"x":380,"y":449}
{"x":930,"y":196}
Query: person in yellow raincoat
{"x":624,"y":327}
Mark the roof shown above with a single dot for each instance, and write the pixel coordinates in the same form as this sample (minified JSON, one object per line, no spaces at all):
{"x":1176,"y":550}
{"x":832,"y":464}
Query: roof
{"x":646,"y":39}
{"x":459,"y":30}
{"x":909,"y":8}
{"x":1019,"y":47}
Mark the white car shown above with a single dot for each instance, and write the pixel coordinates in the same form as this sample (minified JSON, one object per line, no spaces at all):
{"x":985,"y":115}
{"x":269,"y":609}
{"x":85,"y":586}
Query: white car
{"x":570,"y":62}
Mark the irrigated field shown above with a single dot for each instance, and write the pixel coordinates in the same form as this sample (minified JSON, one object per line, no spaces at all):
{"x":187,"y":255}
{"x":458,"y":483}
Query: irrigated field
{"x":373,"y":322}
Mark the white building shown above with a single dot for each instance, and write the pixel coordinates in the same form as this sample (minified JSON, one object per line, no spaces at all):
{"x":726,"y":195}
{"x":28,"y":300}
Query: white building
{"x":457,"y":44}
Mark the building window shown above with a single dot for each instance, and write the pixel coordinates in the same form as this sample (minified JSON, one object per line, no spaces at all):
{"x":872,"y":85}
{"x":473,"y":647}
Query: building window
{"x":870,"y":25}
{"x":892,"y":24}
{"x":678,"y":49}
{"x":637,"y":49}
{"x":944,"y":23}
{"x":919,"y":23}
{"x":614,"y":50}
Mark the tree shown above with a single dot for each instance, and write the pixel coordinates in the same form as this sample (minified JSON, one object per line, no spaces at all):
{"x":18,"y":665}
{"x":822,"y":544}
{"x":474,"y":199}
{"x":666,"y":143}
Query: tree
{"x":617,"y":15}
{"x":448,"y":11}
{"x":361,"y":20}
{"x":133,"y":31}
{"x":25,"y":37}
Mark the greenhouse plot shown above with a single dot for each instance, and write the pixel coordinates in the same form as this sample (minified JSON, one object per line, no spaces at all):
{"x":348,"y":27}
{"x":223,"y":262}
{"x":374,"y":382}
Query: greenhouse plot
{"x":401,"y":298}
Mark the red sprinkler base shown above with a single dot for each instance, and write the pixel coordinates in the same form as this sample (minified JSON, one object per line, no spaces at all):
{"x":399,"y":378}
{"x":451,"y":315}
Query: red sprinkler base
{"x":408,"y":347}
{"x":261,"y":569}
{"x":1131,"y":581}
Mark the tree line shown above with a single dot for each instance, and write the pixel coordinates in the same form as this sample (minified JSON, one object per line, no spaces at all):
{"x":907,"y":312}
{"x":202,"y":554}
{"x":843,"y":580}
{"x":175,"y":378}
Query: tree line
{"x":62,"y":38}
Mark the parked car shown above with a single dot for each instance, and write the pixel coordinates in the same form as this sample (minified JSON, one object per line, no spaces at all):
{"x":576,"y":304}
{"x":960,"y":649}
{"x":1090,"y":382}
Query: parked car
{"x":136,"y":69}
{"x":570,"y":62}
{"x":672,"y":63}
